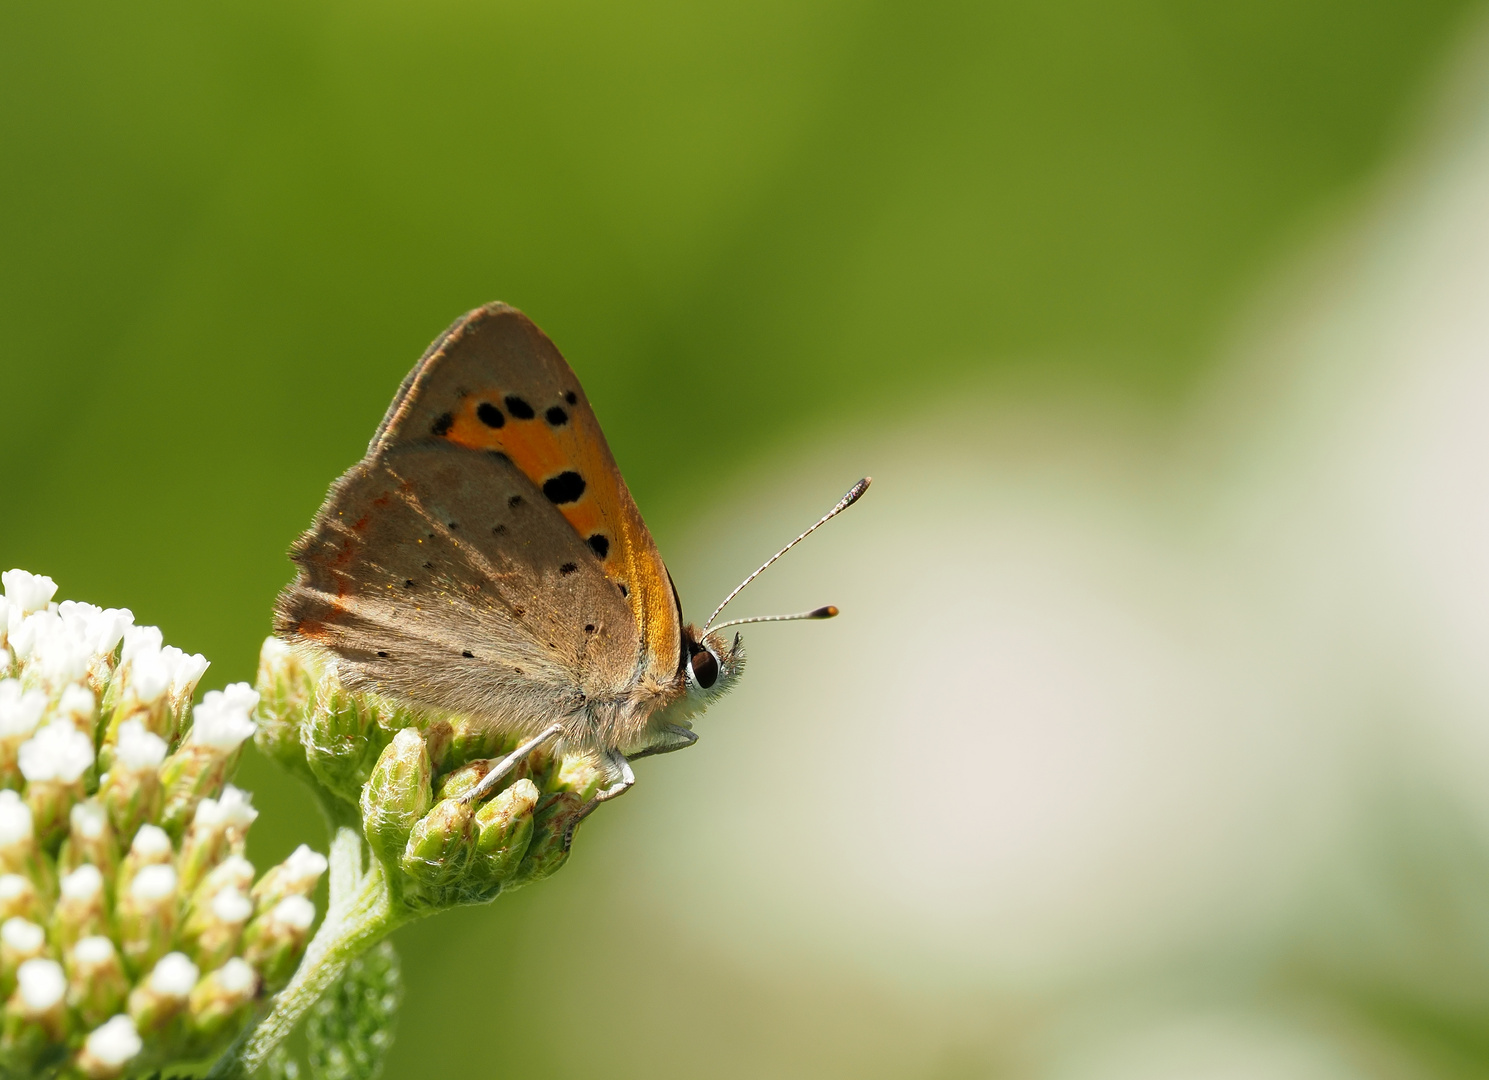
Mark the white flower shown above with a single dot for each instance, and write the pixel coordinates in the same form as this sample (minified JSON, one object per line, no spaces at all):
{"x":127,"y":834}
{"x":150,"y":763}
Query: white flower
{"x":58,"y":752}
{"x":20,"y":711}
{"x":237,"y":976}
{"x":42,"y":984}
{"x":138,"y":748}
{"x":28,"y":592}
{"x":50,"y":648}
{"x":99,"y":629}
{"x":87,"y":820}
{"x":153,"y":883}
{"x":115,"y":1042}
{"x":137,"y":638}
{"x":174,"y":975}
{"x":231,"y":906}
{"x":15,"y":819}
{"x":303,"y":868}
{"x":222,"y":720}
{"x":295,"y":912}
{"x":77,"y":704}
{"x":15,"y":886}
{"x":22,"y":935}
{"x":233,"y":810}
{"x":96,"y":949}
{"x":148,"y":676}
{"x":151,"y":842}
{"x":82,"y":884}
{"x":186,"y":669}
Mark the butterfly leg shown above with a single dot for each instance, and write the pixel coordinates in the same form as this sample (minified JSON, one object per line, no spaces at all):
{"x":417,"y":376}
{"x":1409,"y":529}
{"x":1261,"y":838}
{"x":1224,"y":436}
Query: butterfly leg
{"x":672,"y":737}
{"x":627,"y":780}
{"x":510,"y":762}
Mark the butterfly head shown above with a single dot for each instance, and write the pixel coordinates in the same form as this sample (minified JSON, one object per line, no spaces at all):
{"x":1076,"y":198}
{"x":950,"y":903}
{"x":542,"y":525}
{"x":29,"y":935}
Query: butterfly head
{"x":714,"y":662}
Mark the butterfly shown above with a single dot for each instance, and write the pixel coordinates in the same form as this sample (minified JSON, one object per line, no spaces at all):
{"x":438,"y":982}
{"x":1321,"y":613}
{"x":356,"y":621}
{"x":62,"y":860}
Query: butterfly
{"x":486,"y":558}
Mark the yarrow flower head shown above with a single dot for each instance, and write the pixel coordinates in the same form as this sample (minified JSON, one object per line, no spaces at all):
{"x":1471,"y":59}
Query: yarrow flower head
{"x":134,"y":932}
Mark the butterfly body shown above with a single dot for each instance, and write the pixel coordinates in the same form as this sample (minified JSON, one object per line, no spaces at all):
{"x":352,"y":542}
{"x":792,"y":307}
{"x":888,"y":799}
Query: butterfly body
{"x":486,"y":558}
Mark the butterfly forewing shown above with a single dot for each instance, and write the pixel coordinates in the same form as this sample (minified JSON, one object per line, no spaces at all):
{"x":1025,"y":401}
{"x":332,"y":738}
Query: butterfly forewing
{"x":495,"y":382}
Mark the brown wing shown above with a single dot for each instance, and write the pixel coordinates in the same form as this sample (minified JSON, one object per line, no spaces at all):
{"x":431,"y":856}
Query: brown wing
{"x":494,"y":382}
{"x":442,"y":576}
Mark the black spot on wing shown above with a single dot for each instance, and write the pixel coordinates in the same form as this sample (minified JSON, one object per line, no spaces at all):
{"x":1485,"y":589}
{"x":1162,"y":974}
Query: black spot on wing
{"x":382,"y":654}
{"x":589,"y":628}
{"x":556,"y":416}
{"x":490,"y":415}
{"x":572,"y":398}
{"x":515,"y":501}
{"x":566,"y":487}
{"x":498,"y":529}
{"x":599,"y":543}
{"x":409,"y":584}
{"x":468,"y":654}
{"x":519,"y":408}
{"x":442,"y":423}
{"x":568,"y":568}
{"x":621,"y":585}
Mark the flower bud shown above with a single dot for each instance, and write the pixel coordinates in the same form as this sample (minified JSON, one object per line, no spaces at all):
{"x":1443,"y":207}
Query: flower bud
{"x":274,"y":941}
{"x":90,"y":839}
{"x":218,"y":826}
{"x":397,"y":795}
{"x":54,"y":762}
{"x":151,"y":847}
{"x":286,"y":682}
{"x":344,"y":733}
{"x":214,"y":923}
{"x":222,"y":999}
{"x":576,"y":779}
{"x":96,"y":984}
{"x":163,"y":995}
{"x":440,"y":846}
{"x":147,"y":915}
{"x":220,"y":725}
{"x":36,"y":1013}
{"x":109,"y":1049}
{"x":296,"y":876}
{"x":18,"y":850}
{"x":81,"y":911}
{"x":26,"y":592}
{"x":20,"y":940}
{"x":131,"y":788}
{"x":505,"y":826}
{"x":20,"y":713}
{"x":18,"y":897}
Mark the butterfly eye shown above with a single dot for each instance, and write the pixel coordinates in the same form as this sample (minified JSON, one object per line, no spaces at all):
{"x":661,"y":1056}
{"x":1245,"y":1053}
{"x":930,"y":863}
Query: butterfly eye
{"x":705,"y":668}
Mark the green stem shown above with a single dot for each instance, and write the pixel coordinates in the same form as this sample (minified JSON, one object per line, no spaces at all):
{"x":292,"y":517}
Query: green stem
{"x":362,"y":911}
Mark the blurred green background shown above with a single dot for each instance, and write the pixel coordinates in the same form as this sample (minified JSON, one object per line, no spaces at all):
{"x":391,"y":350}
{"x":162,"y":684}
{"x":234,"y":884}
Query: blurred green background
{"x":228,"y":230}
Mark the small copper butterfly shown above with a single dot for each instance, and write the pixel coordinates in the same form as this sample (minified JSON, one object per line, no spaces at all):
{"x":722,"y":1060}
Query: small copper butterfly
{"x":486,"y":558}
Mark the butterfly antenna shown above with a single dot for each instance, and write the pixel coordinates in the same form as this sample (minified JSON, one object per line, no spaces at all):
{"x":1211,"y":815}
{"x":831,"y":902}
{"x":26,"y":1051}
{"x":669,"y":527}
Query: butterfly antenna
{"x":854,"y":494}
{"x":827,"y":612}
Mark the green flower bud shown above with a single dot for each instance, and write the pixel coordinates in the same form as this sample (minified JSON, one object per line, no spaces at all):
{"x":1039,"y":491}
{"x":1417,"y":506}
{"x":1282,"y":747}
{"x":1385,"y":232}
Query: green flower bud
{"x":161,"y":997}
{"x":457,"y":783}
{"x":440,"y":846}
{"x":96,"y":984}
{"x":81,"y":910}
{"x":577,"y":779}
{"x":274,"y":941}
{"x":505,"y":826}
{"x":222,"y":1000}
{"x":90,"y":839}
{"x":344,"y":734}
{"x":108,"y":1050}
{"x":18,"y":897}
{"x":396,"y":795}
{"x":20,"y":940}
{"x":147,"y":915}
{"x":296,"y":876}
{"x":131,"y":789}
{"x":218,"y":826}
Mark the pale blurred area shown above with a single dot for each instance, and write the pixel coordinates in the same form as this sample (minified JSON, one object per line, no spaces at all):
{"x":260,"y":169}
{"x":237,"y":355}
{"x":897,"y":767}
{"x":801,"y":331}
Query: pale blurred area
{"x":1147,"y":746}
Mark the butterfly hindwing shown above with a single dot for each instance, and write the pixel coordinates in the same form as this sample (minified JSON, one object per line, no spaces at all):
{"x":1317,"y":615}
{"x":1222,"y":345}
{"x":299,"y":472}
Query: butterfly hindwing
{"x":494,"y":382}
{"x":442,"y":576}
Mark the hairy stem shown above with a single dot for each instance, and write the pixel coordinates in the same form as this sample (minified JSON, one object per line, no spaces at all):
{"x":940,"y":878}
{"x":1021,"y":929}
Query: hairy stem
{"x":362,"y":911}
